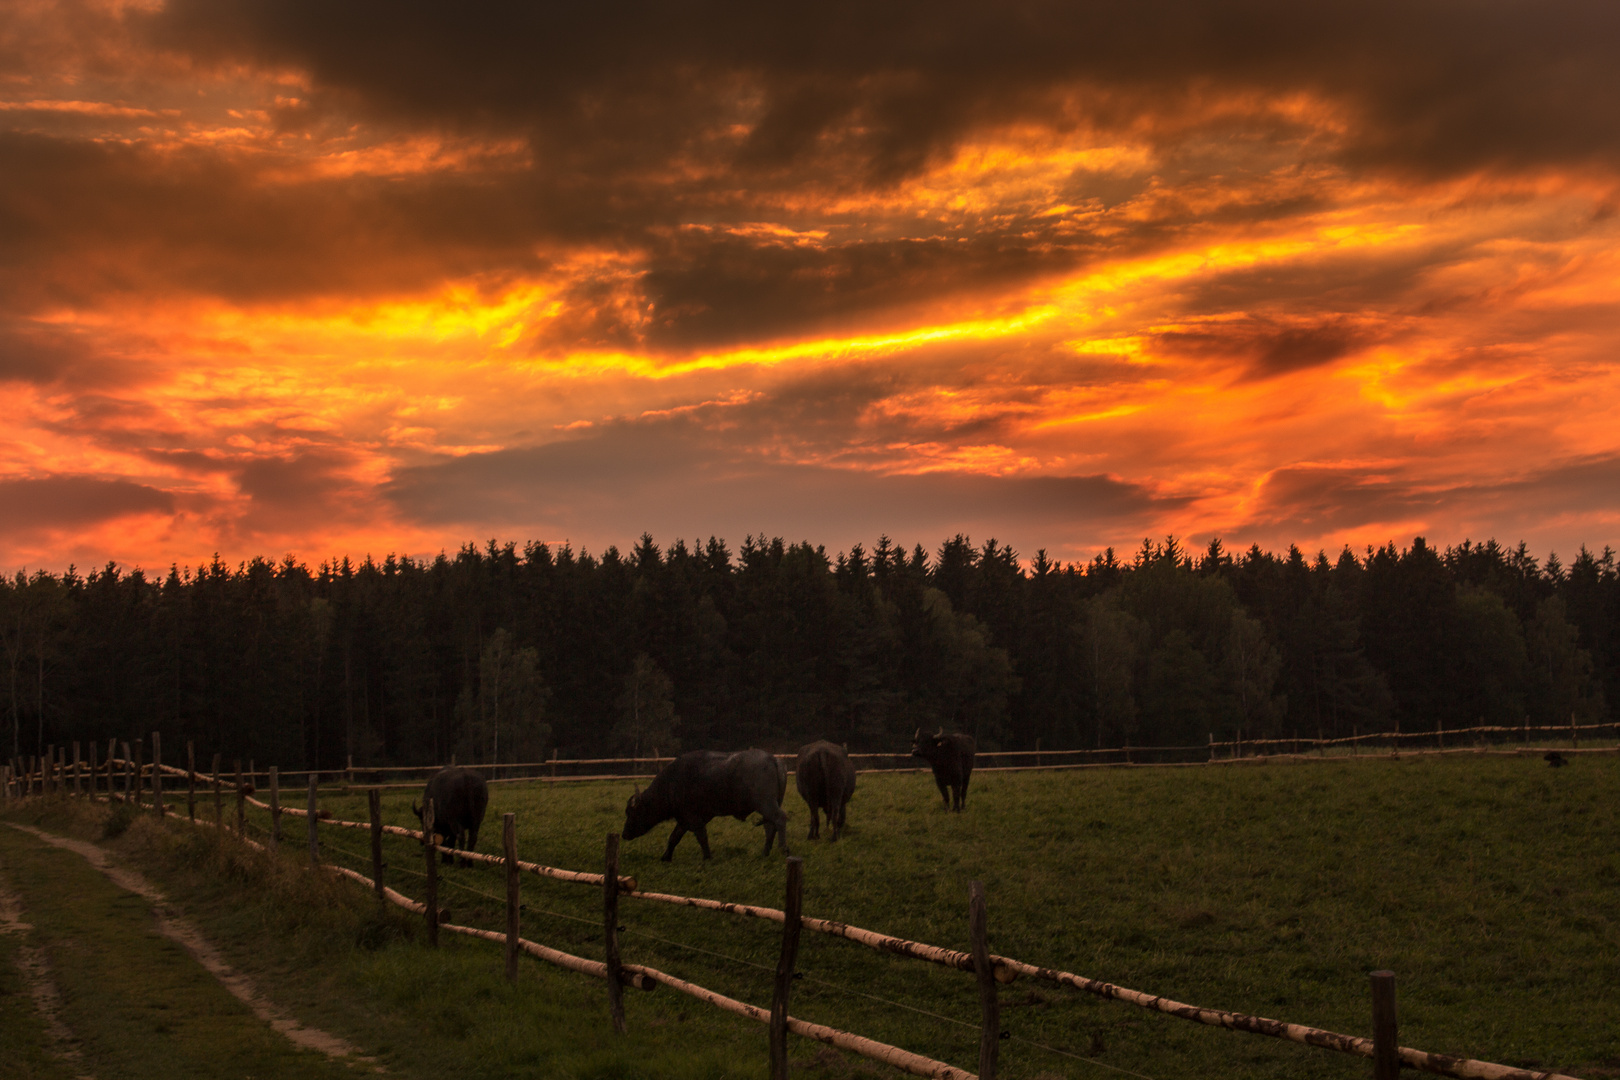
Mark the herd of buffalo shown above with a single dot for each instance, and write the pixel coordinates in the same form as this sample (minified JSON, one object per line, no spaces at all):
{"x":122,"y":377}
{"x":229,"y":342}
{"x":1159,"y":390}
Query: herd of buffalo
{"x":701,"y":785}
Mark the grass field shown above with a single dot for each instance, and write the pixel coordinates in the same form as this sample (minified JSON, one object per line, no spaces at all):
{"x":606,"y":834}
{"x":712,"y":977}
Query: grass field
{"x":1487,"y":884}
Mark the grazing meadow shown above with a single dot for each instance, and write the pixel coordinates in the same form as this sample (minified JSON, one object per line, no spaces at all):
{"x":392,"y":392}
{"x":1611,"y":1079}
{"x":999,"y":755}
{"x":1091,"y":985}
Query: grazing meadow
{"x":1488,"y":884}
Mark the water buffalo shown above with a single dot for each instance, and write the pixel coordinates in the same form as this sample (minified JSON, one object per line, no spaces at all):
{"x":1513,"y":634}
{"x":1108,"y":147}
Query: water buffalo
{"x":702,"y":785}
{"x":460,"y":797}
{"x":825,"y":780}
{"x":952,"y":759}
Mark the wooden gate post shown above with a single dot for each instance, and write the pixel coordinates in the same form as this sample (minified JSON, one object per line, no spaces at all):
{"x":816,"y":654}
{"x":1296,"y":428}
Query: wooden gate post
{"x":275,"y":808}
{"x":191,"y":780}
{"x":112,"y":753}
{"x":990,"y":1033}
{"x":241,"y":801}
{"x":219,"y":809}
{"x":157,"y":773}
{"x":430,"y":896}
{"x":78,"y":784}
{"x":374,"y":802}
{"x":610,"y":927}
{"x":1386,"y":1045}
{"x":314,"y":822}
{"x":140,"y":772}
{"x":513,"y":900}
{"x":791,"y":909}
{"x":92,"y":769}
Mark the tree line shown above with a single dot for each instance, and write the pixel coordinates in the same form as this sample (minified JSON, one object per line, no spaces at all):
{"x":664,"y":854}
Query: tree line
{"x":503,"y":654}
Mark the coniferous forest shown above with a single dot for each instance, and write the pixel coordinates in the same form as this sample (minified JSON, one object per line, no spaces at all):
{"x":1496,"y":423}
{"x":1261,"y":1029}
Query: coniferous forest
{"x":508,"y":654}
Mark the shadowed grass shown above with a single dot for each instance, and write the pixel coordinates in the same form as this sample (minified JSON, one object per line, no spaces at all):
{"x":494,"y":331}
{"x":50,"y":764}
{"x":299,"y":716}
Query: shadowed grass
{"x":1486,"y":884}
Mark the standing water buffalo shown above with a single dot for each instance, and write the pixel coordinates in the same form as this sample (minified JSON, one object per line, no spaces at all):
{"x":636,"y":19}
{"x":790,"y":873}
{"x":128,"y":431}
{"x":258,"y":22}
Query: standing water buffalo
{"x":460,"y":797}
{"x":825,"y":780}
{"x":702,"y":785}
{"x":952,"y":759}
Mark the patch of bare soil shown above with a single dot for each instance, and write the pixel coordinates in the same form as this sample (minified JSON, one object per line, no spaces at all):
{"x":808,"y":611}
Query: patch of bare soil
{"x":187,"y":936}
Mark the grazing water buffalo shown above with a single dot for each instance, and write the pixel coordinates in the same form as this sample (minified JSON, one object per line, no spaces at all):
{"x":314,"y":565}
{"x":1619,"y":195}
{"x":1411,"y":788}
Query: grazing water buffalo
{"x":460,"y":797}
{"x":702,"y":785}
{"x":825,"y":780}
{"x":952,"y":759}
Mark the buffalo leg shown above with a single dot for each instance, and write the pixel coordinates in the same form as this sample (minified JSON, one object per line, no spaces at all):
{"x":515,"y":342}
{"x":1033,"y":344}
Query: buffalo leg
{"x":944,"y":791}
{"x":675,"y":838}
{"x":701,"y":831}
{"x":773,"y":826}
{"x":815,"y":823}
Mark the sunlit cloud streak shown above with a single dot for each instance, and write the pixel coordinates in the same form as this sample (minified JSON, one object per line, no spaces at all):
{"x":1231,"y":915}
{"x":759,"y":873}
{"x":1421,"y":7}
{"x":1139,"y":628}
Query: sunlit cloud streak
{"x":283,"y":277}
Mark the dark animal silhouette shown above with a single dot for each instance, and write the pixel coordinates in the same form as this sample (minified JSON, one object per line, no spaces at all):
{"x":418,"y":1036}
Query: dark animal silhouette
{"x":701,"y":785}
{"x":952,"y":759}
{"x":1555,"y":759}
{"x":825,"y":780}
{"x":460,"y":798}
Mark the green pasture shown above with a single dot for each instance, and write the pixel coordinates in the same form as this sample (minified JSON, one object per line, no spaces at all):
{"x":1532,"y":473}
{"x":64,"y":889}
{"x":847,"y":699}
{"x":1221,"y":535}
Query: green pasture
{"x":1488,"y":884}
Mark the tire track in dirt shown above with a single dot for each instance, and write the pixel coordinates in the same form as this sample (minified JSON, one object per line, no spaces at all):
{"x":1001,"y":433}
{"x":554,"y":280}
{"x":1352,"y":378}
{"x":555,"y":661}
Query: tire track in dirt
{"x":172,"y":926}
{"x":35,"y":968}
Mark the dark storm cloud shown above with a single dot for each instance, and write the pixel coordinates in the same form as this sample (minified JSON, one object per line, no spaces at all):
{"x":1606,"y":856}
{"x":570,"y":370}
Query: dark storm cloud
{"x":65,"y":502}
{"x":1312,"y":500}
{"x":1267,"y":347}
{"x":1438,"y":86}
{"x":81,"y":220}
{"x":717,"y":290}
{"x":672,"y":479}
{"x":1317,"y":500}
{"x":299,"y":491}
{"x":35,"y":354}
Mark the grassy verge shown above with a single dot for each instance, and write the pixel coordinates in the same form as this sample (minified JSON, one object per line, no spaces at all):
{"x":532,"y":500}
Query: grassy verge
{"x":138,"y":1004}
{"x":1486,"y":884}
{"x":321,"y":949}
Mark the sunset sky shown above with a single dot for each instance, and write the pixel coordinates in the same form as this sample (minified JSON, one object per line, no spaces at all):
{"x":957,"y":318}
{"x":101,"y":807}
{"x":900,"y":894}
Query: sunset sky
{"x":294,"y":276}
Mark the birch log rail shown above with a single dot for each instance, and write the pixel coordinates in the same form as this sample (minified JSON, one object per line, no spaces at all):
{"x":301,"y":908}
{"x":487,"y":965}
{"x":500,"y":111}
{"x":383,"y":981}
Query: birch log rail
{"x":905,"y":1060}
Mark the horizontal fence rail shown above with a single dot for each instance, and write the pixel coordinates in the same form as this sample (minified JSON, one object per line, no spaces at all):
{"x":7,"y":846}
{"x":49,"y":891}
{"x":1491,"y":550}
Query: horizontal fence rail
{"x":51,"y":774}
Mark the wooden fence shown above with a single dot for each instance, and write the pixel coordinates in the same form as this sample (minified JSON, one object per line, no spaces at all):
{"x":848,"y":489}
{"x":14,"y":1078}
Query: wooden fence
{"x":146,"y":779}
{"x":1480,"y":739}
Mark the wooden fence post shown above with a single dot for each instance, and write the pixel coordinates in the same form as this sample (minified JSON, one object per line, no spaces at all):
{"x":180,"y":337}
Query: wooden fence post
{"x":275,"y":808}
{"x":1386,"y":1045}
{"x":431,"y":889}
{"x":610,"y":927}
{"x":374,"y":803}
{"x":241,"y":801}
{"x":349,"y":777}
{"x":191,"y":780}
{"x":140,"y":772}
{"x":219,"y":809}
{"x":514,"y":924}
{"x":990,"y":1033}
{"x":791,"y":909}
{"x":314,"y":822}
{"x":1574,"y":736}
{"x":157,"y":774}
{"x":112,"y":753}
{"x":78,"y":784}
